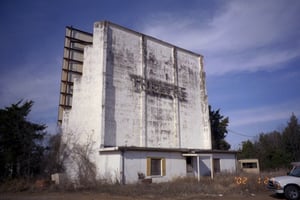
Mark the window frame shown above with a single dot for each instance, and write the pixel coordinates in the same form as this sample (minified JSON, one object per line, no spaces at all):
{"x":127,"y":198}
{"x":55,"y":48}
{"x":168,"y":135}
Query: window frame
{"x":162,"y":166}
{"x":249,"y":165}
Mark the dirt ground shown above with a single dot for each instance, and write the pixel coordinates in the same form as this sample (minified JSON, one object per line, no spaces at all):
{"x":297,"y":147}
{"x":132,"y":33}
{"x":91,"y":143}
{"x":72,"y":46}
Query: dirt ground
{"x":103,"y":196}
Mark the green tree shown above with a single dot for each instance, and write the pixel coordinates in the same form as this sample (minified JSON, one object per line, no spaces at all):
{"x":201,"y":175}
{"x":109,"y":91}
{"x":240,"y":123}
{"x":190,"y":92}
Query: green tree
{"x":21,"y":149}
{"x":248,"y":150}
{"x":275,"y":149}
{"x":291,"y":138}
{"x":270,"y":151}
{"x":218,"y":124}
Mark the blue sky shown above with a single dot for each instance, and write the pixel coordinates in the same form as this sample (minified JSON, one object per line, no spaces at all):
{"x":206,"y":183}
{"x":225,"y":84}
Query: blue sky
{"x":251,"y":51}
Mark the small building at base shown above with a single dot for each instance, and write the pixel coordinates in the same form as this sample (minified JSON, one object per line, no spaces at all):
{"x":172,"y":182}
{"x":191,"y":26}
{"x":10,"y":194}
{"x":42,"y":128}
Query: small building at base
{"x":135,"y":108}
{"x":249,"y":165}
{"x":161,"y":165}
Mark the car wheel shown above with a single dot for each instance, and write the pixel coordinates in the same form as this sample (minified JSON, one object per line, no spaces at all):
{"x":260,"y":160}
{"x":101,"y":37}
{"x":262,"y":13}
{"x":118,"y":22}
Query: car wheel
{"x":291,"y":192}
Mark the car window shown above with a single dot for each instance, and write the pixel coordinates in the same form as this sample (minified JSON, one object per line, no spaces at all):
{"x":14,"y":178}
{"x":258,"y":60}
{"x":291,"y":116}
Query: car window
{"x":295,"y":171}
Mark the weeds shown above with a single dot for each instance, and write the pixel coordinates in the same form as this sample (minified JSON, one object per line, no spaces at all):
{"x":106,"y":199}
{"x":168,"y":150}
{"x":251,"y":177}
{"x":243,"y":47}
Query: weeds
{"x":222,"y":184}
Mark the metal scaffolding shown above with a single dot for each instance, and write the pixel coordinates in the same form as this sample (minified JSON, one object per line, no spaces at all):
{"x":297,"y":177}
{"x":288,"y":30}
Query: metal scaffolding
{"x":75,"y":41}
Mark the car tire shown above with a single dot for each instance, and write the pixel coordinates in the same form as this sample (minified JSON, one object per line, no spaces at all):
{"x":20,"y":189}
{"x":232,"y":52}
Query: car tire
{"x":292,"y":192}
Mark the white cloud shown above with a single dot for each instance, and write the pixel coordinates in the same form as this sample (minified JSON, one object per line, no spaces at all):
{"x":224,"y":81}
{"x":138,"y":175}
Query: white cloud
{"x":263,"y":114}
{"x":267,"y":59}
{"x":242,"y":35}
{"x":251,"y":24}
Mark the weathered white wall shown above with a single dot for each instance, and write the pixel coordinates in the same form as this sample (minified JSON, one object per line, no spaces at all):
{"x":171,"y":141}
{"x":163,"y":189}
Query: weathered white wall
{"x":227,"y":162}
{"x":82,"y":125}
{"x":135,"y":118}
{"x":122,"y":109}
{"x":110,"y":167}
{"x":205,"y":165}
{"x":113,"y":163}
{"x":137,"y":162}
{"x":162,"y":115}
{"x":194,"y":116}
{"x":109,"y":109}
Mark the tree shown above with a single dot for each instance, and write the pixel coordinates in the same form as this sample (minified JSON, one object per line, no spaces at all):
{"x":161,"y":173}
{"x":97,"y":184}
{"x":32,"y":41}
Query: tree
{"x":21,"y":149}
{"x":219,"y":131}
{"x":291,"y":138}
{"x":270,"y":151}
{"x":248,"y":150}
{"x":275,"y":149}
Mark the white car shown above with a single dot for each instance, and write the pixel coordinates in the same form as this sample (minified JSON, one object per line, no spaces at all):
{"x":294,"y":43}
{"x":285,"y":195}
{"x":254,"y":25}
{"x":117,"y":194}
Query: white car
{"x":288,"y":185}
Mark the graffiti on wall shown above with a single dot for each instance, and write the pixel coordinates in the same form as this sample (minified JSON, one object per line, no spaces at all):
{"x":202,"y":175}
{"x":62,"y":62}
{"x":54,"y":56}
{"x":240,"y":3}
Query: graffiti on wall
{"x":158,"y":88}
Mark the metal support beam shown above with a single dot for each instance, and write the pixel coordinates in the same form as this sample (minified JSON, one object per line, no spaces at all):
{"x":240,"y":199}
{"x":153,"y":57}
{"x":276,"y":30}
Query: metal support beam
{"x":211,"y":166}
{"x":198,"y":168}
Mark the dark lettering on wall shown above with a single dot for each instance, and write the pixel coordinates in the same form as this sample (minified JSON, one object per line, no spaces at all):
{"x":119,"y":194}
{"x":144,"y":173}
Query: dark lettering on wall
{"x":158,"y":88}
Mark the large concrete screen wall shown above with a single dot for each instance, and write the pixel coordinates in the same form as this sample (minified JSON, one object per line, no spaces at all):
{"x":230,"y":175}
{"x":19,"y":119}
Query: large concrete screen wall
{"x":145,"y":92}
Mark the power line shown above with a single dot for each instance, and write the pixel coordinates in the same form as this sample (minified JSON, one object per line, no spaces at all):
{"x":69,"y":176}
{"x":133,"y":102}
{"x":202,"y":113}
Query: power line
{"x":240,"y":134}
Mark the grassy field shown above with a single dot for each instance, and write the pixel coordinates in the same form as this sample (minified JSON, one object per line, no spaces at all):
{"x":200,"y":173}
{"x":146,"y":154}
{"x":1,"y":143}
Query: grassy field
{"x":223,"y":186}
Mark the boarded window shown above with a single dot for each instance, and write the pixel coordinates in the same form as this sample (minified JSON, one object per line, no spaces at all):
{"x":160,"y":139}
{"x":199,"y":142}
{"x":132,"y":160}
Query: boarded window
{"x":156,"y":167}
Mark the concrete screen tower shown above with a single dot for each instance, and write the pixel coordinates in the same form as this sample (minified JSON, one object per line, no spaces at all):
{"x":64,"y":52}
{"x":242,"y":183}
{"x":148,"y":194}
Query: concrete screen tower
{"x":139,"y":101}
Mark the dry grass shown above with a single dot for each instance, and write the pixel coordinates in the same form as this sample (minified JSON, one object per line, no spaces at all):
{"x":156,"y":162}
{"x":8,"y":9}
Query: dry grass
{"x":222,"y":184}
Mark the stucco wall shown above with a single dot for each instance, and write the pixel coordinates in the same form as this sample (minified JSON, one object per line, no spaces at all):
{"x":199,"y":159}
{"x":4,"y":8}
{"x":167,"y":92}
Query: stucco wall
{"x":136,"y":162}
{"x":136,"y":90}
{"x":205,"y":165}
{"x":110,"y":167}
{"x":108,"y":101}
{"x":227,"y":162}
{"x":114,"y":164}
{"x":166,"y":108}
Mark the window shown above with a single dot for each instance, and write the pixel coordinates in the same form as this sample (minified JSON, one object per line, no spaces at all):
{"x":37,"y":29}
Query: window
{"x":156,"y":167}
{"x":249,"y":165}
{"x":295,"y":171}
